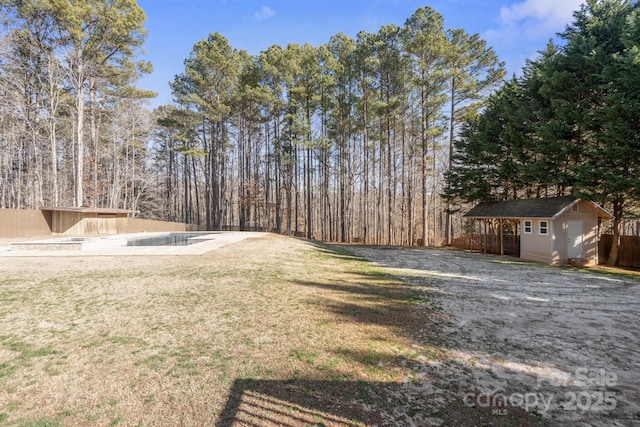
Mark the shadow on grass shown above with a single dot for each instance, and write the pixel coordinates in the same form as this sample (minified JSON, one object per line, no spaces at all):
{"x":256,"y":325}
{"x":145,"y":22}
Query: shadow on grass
{"x":298,"y":402}
{"x":291,"y":403}
{"x":494,"y":295}
{"x":372,"y":297}
{"x":335,"y":251}
{"x":375,"y":289}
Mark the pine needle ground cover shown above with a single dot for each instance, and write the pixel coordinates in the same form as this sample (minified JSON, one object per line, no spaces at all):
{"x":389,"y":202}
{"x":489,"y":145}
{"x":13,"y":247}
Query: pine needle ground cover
{"x":269,"y":331}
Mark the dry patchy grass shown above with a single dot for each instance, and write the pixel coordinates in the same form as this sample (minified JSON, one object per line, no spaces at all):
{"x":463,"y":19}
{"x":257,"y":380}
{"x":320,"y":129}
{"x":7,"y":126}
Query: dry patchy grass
{"x":270,"y":331}
{"x":266,"y":324}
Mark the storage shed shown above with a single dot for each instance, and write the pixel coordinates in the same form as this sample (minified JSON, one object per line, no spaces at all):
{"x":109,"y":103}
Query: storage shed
{"x":85,"y":221}
{"x":556,"y":230}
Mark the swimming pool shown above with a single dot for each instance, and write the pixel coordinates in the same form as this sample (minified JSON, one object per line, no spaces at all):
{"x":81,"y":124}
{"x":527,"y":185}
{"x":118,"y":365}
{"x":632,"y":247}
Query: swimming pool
{"x":188,"y":244}
{"x":171,"y":239}
{"x":113,"y":242}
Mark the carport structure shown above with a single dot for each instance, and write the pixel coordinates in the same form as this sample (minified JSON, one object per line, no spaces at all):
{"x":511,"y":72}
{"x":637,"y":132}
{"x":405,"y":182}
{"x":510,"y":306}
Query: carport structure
{"x":554,"y":230}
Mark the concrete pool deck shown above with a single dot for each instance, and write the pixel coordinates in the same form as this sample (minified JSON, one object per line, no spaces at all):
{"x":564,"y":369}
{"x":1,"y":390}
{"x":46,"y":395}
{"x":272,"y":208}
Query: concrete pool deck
{"x":115,"y":246}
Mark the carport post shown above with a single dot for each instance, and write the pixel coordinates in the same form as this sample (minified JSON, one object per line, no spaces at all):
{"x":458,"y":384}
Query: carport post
{"x":484,"y":221}
{"x":501,"y":225}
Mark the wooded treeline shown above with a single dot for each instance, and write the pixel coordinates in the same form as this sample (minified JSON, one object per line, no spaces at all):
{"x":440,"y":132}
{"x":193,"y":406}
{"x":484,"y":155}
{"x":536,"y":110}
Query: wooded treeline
{"x":569,"y":125}
{"x":346,"y":141}
{"x":73,"y":127}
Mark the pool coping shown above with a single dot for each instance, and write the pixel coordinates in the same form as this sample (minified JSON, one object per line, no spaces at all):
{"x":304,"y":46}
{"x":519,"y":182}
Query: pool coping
{"x":113,"y":245}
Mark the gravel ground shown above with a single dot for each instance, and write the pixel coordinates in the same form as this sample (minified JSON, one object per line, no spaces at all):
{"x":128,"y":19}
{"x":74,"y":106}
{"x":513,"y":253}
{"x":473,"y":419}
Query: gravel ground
{"x":561,"y":342}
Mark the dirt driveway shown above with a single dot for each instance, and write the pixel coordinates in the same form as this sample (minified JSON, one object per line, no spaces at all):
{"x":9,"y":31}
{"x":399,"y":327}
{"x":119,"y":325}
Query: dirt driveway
{"x":562,"y":342}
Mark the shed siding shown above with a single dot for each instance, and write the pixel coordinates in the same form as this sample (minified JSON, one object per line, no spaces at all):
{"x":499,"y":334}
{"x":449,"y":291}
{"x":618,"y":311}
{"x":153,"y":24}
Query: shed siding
{"x":588,"y":215}
{"x":534,"y":246}
{"x":559,"y":249}
{"x":552,"y":249}
{"x":589,"y":237}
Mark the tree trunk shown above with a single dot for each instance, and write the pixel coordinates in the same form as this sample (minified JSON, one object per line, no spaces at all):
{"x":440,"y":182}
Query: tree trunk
{"x":79,"y":196}
{"x":448,"y":229}
{"x":94,"y":140}
{"x":618,"y":208}
{"x":206,"y":126}
{"x":425,"y":161}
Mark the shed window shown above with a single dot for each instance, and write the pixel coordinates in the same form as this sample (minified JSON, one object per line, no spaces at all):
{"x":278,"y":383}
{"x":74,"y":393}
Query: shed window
{"x":528,"y":227}
{"x":543,"y":228}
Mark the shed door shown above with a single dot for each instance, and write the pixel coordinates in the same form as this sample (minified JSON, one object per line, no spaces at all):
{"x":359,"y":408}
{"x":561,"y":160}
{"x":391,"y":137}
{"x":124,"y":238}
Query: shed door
{"x":575,"y":243}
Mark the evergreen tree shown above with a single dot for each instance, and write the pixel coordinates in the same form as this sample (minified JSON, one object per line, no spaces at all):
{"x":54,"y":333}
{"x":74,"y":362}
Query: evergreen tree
{"x":591,"y":88}
{"x":426,"y":44}
{"x":475,"y":72}
{"x":207,"y":87}
{"x":572,"y":125}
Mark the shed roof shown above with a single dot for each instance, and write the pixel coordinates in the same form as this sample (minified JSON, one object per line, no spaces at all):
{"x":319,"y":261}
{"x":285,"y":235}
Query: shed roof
{"x":549,"y":207}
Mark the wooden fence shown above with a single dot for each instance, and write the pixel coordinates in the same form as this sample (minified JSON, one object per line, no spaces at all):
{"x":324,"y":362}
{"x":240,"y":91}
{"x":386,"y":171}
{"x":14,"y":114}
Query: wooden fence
{"x":628,"y":255}
{"x":24,"y":223}
{"x":489,"y":243}
{"x":137,"y":225}
{"x":628,"y":251}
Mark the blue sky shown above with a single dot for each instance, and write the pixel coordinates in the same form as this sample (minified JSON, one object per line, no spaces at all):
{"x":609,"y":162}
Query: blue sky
{"x":516,"y":29}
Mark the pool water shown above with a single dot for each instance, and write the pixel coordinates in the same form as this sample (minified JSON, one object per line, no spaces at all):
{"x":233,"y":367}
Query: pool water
{"x":171,"y":239}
